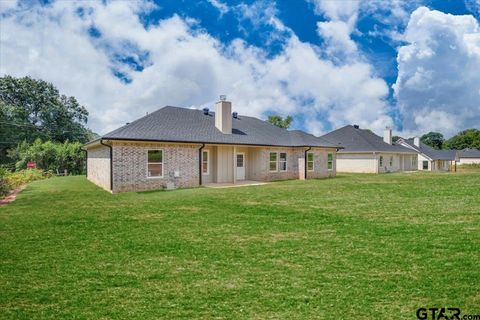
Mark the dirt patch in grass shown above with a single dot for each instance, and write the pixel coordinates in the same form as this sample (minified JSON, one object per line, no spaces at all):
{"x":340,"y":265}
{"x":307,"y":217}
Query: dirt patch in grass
{"x":12,"y":195}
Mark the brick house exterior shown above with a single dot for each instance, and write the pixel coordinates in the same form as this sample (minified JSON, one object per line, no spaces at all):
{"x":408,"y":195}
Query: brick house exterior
{"x":182,"y":162}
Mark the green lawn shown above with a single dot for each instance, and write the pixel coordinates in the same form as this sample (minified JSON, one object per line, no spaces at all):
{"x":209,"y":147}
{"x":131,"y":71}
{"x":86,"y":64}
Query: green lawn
{"x":353,"y":247}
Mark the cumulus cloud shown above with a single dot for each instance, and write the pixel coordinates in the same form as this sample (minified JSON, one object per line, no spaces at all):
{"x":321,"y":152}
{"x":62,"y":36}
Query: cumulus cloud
{"x":438,"y":84}
{"x":220,"y":6}
{"x":120,"y":71}
{"x":336,"y":31}
{"x":473,"y":6}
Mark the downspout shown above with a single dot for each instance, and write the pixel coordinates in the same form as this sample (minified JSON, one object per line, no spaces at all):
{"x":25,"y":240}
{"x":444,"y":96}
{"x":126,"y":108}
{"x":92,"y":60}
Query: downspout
{"x":306,"y":161}
{"x":200,"y":164}
{"x":111,"y":163}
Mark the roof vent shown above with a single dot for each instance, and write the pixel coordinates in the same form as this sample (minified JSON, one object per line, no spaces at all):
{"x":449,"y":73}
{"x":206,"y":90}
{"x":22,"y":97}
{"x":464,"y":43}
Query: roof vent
{"x":205,"y":111}
{"x":235,"y":115}
{"x":356,"y":126}
{"x":223,"y":97}
{"x":127,"y":123}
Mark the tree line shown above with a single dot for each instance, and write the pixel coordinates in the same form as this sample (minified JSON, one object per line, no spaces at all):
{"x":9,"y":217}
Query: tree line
{"x":40,"y":124}
{"x":469,"y":138}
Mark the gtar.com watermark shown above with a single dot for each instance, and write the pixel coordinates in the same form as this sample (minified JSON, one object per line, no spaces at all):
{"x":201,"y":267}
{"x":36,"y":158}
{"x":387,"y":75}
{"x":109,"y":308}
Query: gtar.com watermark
{"x":444,"y":314}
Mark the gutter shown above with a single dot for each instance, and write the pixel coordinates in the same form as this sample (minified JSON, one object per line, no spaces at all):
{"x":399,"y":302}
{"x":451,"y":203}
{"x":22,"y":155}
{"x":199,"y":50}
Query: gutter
{"x":306,"y":161}
{"x":217,"y":143}
{"x":111,"y":163}
{"x":200,"y":173}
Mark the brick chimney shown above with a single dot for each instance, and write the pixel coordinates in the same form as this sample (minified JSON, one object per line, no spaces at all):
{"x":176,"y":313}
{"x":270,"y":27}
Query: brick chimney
{"x":223,"y":115}
{"x":387,"y":135}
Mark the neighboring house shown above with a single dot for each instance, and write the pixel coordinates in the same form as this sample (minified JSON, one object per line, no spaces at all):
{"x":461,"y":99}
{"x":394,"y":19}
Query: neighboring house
{"x":468,"y":156}
{"x":429,"y":158}
{"x":364,"y":151}
{"x":178,"y":147}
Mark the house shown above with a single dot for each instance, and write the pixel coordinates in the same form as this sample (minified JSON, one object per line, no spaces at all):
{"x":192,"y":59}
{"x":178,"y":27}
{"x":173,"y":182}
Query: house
{"x":179,"y":147}
{"x":468,"y":156}
{"x":363,"y":151}
{"x":429,"y":158}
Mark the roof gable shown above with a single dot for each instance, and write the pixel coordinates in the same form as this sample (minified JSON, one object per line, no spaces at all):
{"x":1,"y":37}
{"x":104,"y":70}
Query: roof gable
{"x":430,"y":152}
{"x":354,"y":139}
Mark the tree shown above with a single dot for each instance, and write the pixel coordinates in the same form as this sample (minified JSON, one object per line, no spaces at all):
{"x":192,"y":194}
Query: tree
{"x":395,"y":138}
{"x":469,"y":138}
{"x":48,"y":155}
{"x":31,"y":109}
{"x":433,"y":139}
{"x":280,"y":122}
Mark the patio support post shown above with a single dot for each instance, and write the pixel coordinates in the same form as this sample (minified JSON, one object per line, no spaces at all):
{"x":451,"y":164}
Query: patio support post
{"x":234,"y":164}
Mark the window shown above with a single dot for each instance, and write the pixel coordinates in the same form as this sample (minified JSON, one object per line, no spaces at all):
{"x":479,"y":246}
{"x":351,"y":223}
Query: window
{"x":282,"y":161}
{"x":425,"y":165}
{"x":330,"y":161}
{"x":381,"y":161}
{"x":205,"y":159}
{"x":273,"y":161}
{"x":155,"y":163}
{"x":414,"y":161}
{"x":391,"y":161}
{"x":240,"y":160}
{"x":310,"y":163}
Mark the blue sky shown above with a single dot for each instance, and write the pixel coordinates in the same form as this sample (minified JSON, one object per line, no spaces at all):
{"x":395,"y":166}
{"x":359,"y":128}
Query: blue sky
{"x":326,"y":62}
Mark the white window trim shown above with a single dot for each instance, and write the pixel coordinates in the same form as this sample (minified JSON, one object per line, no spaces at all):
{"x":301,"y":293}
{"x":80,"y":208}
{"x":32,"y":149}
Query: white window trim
{"x":270,"y":162}
{"x":328,"y":162}
{"x":163,"y":164}
{"x":313,"y":162}
{"x":380,"y":161}
{"x":208,"y":162}
{"x":286,"y":162}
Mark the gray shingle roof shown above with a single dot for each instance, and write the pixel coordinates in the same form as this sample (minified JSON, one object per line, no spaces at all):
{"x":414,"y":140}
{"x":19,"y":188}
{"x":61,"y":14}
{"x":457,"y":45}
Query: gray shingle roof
{"x":359,"y":140}
{"x":189,"y":125}
{"x":469,"y":153}
{"x":430,"y":152}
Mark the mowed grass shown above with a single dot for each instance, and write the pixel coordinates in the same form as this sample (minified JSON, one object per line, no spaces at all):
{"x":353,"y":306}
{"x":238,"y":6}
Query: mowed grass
{"x":352,"y":247}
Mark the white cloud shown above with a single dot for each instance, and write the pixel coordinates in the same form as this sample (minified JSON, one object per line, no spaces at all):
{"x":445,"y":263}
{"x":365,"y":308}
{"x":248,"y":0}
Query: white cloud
{"x":337,"y":10}
{"x":220,"y":6}
{"x":438,"y":79}
{"x":473,"y":6}
{"x":186,"y":67}
{"x":336,"y":32}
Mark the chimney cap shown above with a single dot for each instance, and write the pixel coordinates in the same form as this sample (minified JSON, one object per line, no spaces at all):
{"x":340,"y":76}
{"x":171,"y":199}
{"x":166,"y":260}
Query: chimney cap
{"x":223,"y":97}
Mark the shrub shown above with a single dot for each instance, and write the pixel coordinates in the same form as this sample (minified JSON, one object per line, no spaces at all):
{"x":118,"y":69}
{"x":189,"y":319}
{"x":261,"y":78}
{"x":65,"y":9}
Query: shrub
{"x":50,"y":156}
{"x":12,"y":180}
{"x":4,"y":186}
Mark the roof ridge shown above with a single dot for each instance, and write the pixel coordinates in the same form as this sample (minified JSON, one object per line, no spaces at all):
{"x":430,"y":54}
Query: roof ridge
{"x":361,"y":131}
{"x":134,"y":121}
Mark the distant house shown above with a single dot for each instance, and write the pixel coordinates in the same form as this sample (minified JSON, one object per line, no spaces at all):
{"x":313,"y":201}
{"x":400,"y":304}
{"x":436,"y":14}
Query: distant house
{"x":429,"y":158}
{"x":178,"y":147}
{"x":364,"y":151}
{"x":468,"y":156}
